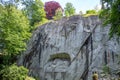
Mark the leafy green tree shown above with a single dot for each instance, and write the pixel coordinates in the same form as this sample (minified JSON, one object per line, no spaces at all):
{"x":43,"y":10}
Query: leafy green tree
{"x":34,"y":9}
{"x":58,"y":14}
{"x":14,"y":33}
{"x":14,"y":30}
{"x":69,"y":9}
{"x":111,"y":15}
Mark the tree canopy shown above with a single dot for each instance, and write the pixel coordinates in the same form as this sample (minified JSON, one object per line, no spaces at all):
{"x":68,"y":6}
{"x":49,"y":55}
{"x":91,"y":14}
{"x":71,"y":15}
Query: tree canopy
{"x":58,"y":14}
{"x":69,"y":9}
{"x":50,"y":8}
{"x":14,"y":28}
{"x":34,"y":10}
{"x":14,"y":34}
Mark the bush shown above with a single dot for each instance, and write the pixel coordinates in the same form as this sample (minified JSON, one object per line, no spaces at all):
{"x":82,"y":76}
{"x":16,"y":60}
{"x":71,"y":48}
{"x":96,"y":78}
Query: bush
{"x":13,"y":73}
{"x":62,"y":56}
{"x":91,"y":12}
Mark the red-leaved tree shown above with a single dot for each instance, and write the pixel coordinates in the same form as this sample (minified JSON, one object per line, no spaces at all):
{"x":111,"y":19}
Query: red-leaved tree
{"x":50,"y":8}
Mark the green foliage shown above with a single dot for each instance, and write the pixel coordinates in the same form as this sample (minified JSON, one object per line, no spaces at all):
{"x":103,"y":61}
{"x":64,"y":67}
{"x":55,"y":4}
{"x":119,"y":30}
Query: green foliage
{"x":14,"y":30}
{"x":91,"y":12}
{"x":44,"y":20}
{"x":62,"y":56}
{"x":69,"y":9}
{"x":66,"y":14}
{"x":29,"y":78}
{"x":13,"y":73}
{"x":106,"y":69}
{"x":58,"y":14}
{"x":35,"y":11}
{"x":111,"y":15}
{"x":14,"y":34}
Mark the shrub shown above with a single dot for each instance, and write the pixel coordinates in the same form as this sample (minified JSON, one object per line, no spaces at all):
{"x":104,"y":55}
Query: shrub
{"x":13,"y":73}
{"x":91,"y":12}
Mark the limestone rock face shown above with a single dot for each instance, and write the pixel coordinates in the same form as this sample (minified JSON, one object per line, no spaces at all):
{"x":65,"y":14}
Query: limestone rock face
{"x":85,"y":41}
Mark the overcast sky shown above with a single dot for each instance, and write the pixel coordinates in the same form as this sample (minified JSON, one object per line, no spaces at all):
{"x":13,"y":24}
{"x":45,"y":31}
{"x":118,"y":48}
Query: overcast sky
{"x":80,"y":5}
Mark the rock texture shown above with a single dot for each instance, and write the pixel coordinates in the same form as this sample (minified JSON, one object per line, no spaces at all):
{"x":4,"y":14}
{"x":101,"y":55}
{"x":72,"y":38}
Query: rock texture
{"x":86,"y":42}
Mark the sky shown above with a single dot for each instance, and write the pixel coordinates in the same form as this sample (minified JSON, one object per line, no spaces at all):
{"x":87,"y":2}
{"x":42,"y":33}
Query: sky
{"x":80,"y":5}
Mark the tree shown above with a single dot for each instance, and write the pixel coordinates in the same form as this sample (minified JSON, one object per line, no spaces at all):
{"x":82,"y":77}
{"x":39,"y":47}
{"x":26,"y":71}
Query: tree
{"x":69,"y":9}
{"x":14,"y":33}
{"x":14,"y":30}
{"x":34,"y":9}
{"x":58,"y":14}
{"x":111,"y":15}
{"x":107,"y":3}
{"x":50,"y":8}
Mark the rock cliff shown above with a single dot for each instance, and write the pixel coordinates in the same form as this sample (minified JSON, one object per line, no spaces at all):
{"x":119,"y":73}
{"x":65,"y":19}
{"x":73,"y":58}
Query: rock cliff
{"x":71,"y":49}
